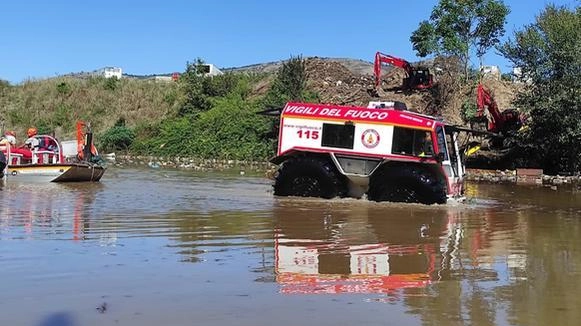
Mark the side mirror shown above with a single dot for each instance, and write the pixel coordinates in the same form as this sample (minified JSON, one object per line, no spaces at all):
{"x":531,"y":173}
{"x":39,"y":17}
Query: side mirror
{"x":440,"y":157}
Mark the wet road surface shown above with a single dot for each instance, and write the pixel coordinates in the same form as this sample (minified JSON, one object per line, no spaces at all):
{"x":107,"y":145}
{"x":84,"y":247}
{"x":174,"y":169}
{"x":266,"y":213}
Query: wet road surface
{"x":164,"y":247}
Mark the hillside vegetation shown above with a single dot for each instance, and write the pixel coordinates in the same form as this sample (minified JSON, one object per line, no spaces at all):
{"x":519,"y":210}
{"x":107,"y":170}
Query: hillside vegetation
{"x":54,"y":105}
{"x":214,"y":117}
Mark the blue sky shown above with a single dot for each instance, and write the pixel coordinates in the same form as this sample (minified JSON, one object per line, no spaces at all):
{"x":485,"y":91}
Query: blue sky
{"x":42,"y":39}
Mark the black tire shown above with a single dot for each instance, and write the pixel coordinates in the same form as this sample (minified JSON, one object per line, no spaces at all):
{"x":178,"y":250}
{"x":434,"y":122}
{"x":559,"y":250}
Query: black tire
{"x":305,"y":176}
{"x":3,"y":164}
{"x":407,"y":184}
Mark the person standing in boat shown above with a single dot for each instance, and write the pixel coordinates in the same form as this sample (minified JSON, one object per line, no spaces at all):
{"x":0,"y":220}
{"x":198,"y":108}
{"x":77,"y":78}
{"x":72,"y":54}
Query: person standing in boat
{"x":43,"y":143}
{"x":32,"y":142}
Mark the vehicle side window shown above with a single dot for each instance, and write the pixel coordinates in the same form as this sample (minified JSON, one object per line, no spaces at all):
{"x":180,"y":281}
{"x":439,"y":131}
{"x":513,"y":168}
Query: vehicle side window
{"x":442,"y":142}
{"x":412,"y":142}
{"x":340,"y":136}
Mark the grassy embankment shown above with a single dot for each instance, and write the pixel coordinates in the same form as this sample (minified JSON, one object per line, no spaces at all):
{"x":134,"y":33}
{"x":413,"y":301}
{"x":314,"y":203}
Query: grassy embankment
{"x":54,"y":105}
{"x":197,"y":116}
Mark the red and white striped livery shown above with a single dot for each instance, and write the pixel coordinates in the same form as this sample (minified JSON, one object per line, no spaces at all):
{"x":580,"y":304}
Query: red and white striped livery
{"x":383,"y":151}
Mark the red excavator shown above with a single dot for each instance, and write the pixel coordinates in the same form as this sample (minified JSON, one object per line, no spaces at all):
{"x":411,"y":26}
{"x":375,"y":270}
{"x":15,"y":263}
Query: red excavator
{"x":500,"y":122}
{"x":418,"y":78}
{"x":495,"y":131}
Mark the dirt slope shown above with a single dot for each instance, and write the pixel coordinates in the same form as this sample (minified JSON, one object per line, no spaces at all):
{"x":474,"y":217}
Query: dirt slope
{"x":351,"y":82}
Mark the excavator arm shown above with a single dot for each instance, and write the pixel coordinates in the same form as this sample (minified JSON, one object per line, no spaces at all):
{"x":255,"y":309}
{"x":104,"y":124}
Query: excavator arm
{"x":501,"y":122}
{"x":389,"y":59}
{"x":485,"y":100}
{"x":416,"y":79}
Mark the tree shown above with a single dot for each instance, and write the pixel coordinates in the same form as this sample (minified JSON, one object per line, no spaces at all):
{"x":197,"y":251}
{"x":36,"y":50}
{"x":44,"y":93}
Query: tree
{"x":290,"y":83}
{"x":192,"y":85}
{"x":200,"y":89}
{"x":455,"y":27}
{"x":548,"y":53}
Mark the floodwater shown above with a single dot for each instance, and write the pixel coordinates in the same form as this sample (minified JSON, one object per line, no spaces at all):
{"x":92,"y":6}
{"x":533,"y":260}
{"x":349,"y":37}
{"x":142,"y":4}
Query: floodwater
{"x":163,"y":247}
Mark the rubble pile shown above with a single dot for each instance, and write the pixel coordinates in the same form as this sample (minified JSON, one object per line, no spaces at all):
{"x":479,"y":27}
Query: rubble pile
{"x":337,"y":84}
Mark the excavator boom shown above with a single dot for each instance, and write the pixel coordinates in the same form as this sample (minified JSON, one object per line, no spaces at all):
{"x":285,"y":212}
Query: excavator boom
{"x":416,"y":79}
{"x":485,"y":100}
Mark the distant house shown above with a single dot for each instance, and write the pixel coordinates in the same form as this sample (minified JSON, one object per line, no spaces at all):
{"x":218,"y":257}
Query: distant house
{"x":209,"y":69}
{"x":490,"y":72}
{"x":109,"y":72}
{"x":163,"y":79}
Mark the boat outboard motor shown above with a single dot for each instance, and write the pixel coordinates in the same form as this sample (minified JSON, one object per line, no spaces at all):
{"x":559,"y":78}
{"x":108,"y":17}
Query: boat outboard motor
{"x":87,"y":153}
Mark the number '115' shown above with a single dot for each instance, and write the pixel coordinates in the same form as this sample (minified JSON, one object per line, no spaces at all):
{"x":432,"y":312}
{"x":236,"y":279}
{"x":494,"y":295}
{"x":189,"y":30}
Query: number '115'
{"x":309,"y":134}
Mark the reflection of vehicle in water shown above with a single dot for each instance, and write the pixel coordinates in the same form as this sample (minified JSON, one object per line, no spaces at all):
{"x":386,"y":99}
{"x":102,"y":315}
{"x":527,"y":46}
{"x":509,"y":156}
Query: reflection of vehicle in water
{"x":358,"y":269}
{"x":360,"y":251}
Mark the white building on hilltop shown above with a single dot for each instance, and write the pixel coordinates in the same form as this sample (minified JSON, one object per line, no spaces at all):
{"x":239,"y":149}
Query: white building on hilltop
{"x":109,"y":72}
{"x":490,"y":72}
{"x":208,"y":69}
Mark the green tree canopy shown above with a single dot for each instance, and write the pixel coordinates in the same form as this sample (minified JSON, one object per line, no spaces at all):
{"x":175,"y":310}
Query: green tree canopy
{"x":456,"y":27}
{"x":290,"y":84}
{"x":549,"y":55}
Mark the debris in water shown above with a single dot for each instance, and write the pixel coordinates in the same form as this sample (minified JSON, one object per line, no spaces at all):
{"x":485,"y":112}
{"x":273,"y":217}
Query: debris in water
{"x":154,"y":165}
{"x":102,"y":307}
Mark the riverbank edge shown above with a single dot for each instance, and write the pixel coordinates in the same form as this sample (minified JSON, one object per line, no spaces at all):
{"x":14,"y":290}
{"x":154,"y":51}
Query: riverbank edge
{"x":519,"y":176}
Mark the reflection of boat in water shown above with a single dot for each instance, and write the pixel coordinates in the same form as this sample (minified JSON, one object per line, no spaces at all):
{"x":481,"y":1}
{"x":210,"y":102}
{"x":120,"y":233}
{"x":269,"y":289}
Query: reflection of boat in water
{"x":47,"y":209}
{"x":361,"y":251}
{"x":53,"y":161}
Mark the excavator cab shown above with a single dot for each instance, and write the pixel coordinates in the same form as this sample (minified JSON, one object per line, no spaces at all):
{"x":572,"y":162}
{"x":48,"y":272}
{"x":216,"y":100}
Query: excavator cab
{"x":420,"y":78}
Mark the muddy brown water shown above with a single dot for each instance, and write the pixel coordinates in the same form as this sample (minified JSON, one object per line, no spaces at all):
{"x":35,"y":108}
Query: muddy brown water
{"x":163,"y":247}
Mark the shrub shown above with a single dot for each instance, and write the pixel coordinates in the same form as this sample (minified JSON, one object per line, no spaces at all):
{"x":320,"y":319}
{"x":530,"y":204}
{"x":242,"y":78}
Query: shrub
{"x":63,"y":88}
{"x":290,"y":83}
{"x":118,"y":137}
{"x":469,"y":109}
{"x":230,"y":130}
{"x":111,"y":83}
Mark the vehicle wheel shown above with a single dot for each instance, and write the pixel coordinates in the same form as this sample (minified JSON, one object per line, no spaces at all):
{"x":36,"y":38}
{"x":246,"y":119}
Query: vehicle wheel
{"x":309,"y":177}
{"x":406,"y":184}
{"x":3,"y":164}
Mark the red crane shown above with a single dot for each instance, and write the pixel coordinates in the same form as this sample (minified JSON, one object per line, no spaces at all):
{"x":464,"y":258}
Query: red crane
{"x":418,"y":78}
